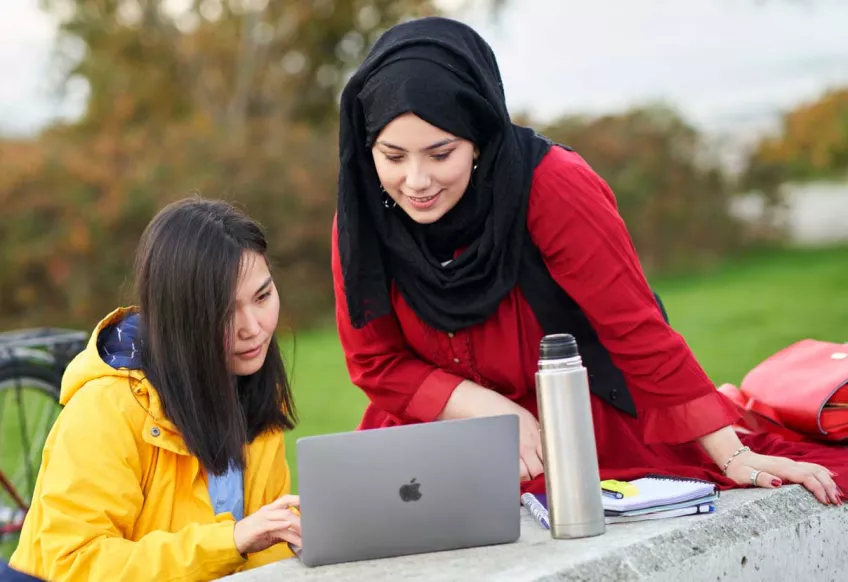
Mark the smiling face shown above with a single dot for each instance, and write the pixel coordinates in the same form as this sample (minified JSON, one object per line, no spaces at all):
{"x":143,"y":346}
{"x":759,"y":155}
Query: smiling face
{"x":424,"y":169}
{"x":257,"y":309}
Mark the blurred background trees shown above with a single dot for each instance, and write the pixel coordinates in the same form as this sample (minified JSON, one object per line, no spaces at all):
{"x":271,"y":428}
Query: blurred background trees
{"x":237,"y":98}
{"x":234,"y":99}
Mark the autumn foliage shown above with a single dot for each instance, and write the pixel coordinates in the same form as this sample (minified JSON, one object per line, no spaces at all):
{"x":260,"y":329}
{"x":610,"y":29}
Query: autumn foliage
{"x":237,"y":99}
{"x":672,"y":194}
{"x":75,"y":208}
{"x":812,"y":143}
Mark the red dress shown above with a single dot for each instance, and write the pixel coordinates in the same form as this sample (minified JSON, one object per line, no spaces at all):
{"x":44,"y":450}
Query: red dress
{"x":408,"y":370}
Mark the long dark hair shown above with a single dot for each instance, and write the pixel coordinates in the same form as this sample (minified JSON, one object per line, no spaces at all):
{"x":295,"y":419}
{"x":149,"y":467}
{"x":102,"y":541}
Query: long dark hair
{"x":186,"y":272}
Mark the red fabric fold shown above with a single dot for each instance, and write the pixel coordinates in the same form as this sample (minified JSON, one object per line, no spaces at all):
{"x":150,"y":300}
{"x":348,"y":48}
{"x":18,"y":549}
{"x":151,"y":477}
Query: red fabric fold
{"x":686,"y":422}
{"x":429,"y":400}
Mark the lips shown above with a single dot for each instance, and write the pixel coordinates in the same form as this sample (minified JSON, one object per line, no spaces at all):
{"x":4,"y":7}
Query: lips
{"x":422,"y":199}
{"x":250,"y":353}
{"x":424,"y":202}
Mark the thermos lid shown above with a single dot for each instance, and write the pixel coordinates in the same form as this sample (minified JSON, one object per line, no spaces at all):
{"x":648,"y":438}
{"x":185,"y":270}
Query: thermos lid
{"x":558,"y":346}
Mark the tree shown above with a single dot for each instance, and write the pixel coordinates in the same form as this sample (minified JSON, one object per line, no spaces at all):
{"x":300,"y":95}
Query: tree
{"x":672,"y":194}
{"x":226,"y":60}
{"x":812,"y":143}
{"x":231,"y":98}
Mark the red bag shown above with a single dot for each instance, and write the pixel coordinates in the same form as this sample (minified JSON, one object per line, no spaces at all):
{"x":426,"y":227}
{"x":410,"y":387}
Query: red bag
{"x":801,"y":392}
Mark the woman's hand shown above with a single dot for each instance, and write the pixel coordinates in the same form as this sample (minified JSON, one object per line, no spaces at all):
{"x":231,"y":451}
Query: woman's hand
{"x":470,"y":400}
{"x":750,"y":468}
{"x":771,"y":472}
{"x":271,"y":524}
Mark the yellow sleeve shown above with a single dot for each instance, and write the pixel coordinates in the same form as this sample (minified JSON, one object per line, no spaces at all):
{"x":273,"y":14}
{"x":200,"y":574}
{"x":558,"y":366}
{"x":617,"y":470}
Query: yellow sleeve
{"x":90,"y":497}
{"x":275,"y":483}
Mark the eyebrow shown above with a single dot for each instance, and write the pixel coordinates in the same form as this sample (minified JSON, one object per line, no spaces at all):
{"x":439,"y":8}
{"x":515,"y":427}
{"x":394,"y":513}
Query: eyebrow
{"x":264,"y":286}
{"x":434,"y":146}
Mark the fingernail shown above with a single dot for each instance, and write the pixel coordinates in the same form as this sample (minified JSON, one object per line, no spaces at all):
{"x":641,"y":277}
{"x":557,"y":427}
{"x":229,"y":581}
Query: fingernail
{"x":776,"y":482}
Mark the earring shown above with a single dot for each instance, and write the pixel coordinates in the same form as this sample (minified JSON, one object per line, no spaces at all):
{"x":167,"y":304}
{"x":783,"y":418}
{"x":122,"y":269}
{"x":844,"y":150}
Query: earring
{"x":387,"y":200}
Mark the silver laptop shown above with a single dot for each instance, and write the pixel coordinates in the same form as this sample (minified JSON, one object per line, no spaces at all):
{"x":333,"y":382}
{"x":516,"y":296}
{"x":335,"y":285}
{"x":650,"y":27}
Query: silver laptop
{"x":408,"y":489}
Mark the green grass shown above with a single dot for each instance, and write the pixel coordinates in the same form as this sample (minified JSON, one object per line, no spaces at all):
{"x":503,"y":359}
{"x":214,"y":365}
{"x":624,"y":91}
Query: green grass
{"x":732,"y":318}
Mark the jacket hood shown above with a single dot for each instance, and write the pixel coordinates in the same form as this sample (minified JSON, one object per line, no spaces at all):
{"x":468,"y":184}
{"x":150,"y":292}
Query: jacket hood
{"x":112,"y":353}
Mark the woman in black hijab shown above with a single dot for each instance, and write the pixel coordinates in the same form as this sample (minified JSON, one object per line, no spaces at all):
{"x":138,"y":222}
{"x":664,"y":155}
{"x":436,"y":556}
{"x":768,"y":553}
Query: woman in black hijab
{"x":461,"y":238}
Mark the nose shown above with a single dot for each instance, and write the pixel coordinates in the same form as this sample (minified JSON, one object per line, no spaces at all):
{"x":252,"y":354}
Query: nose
{"x":247,"y":325}
{"x":417,"y":178}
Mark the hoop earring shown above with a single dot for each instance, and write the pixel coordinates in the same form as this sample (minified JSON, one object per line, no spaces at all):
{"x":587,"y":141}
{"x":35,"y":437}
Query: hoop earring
{"x":473,"y":173}
{"x":388,"y":202}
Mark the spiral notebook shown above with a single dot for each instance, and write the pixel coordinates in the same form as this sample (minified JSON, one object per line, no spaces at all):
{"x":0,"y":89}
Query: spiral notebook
{"x":662,"y":492}
{"x":660,"y":496}
{"x":663,"y":514}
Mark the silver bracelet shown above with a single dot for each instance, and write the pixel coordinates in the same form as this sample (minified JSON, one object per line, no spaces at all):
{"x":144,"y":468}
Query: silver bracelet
{"x":738,"y":452}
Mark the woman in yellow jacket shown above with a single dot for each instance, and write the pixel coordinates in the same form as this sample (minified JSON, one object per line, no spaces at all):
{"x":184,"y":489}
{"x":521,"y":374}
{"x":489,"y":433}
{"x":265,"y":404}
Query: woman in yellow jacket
{"x":167,"y":461}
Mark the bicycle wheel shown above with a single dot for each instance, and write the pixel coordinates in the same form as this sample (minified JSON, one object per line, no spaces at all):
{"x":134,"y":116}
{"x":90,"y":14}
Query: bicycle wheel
{"x":29,"y":404}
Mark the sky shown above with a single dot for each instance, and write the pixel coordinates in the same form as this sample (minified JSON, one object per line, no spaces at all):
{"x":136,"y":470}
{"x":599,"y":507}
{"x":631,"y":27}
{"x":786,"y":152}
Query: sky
{"x":730,"y":66}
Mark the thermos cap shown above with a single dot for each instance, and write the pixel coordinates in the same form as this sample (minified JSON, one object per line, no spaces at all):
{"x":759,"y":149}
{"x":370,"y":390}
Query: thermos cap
{"x":558,"y":346}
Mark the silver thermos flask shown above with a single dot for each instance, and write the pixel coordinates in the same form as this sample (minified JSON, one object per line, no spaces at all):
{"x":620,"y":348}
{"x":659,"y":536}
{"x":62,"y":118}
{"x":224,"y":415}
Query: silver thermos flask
{"x":572,"y":477}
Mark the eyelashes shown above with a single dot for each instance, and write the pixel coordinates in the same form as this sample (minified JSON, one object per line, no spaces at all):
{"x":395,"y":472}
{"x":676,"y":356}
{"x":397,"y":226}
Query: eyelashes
{"x":440,"y":157}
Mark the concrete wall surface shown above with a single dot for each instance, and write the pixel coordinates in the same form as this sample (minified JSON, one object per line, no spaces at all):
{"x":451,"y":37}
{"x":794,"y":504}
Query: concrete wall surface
{"x":770,"y":535}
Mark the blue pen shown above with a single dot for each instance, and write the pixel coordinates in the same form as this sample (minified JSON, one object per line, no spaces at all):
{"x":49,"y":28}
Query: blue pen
{"x":536,"y":509}
{"x":612,"y":494}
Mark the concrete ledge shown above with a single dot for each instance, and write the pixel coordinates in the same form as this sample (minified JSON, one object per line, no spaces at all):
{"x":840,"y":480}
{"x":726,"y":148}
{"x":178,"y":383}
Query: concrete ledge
{"x":782,"y":534}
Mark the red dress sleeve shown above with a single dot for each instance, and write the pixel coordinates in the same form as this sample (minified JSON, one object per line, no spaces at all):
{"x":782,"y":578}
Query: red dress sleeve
{"x":380,"y":362}
{"x":573,"y":219}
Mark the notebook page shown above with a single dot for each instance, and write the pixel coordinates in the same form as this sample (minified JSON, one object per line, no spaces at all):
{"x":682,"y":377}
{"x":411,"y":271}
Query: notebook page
{"x":658,"y":490}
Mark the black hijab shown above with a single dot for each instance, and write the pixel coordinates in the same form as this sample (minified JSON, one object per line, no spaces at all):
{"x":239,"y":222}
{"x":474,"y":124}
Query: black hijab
{"x":446,"y":74}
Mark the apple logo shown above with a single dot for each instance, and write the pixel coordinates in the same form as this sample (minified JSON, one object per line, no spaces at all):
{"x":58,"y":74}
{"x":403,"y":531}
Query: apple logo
{"x":410,"y":491}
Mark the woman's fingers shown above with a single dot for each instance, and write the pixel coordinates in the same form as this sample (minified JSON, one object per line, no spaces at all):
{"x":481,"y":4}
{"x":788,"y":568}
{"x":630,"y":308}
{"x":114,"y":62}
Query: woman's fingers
{"x":817,"y":488}
{"x":767,"y":480}
{"x":532,"y":462}
{"x":539,"y":450}
{"x":292,"y":537}
{"x":825,"y":477}
{"x":796,"y":473}
{"x":285,"y":501}
{"x":815,"y":478}
{"x":832,"y":490}
{"x":773,"y":471}
{"x":282,"y":515}
{"x":531,"y":449}
{"x":279,"y":525}
{"x":523,"y":473}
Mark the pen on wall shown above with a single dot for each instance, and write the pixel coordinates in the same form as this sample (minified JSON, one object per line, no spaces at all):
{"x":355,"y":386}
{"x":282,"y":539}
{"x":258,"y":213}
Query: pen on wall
{"x":536,"y":509}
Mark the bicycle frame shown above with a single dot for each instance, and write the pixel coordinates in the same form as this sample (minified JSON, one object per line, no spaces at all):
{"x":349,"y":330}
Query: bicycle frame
{"x":49,"y":346}
{"x":16,"y":524}
{"x":60,"y":344}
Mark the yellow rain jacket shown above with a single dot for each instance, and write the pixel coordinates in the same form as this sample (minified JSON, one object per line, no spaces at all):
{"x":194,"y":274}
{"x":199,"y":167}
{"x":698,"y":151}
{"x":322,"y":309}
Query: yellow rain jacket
{"x":119,"y":497}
